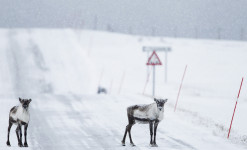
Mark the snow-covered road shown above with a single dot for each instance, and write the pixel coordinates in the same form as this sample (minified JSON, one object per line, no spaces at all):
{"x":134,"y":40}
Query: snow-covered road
{"x":98,"y":122}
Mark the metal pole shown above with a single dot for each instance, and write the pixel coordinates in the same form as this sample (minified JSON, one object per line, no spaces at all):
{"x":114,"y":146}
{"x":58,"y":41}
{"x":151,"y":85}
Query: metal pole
{"x":165,"y":66}
{"x":153,"y":80}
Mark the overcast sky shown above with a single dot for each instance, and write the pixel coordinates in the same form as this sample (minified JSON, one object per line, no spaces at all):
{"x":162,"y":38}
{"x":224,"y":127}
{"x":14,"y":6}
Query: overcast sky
{"x":186,"y":18}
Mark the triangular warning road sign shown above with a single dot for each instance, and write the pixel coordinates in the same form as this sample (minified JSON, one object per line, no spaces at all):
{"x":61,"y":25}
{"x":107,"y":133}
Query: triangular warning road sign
{"x":154,"y":59}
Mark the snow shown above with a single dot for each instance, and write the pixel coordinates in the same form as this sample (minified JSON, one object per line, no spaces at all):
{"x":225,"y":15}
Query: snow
{"x":60,"y":70}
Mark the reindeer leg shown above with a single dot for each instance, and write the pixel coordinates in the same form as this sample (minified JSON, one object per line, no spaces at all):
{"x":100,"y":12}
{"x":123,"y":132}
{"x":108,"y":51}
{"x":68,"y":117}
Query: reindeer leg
{"x":20,"y":143}
{"x":126,"y":129}
{"x":129,"y":130}
{"x":151,"y":132}
{"x":155,"y":129}
{"x":17,"y":134}
{"x":123,"y":141}
{"x":10,"y":125}
{"x":131,"y":123}
{"x":25,"y":134}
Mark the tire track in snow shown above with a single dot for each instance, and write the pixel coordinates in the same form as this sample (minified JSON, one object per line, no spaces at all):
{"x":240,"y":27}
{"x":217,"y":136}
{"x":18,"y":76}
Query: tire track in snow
{"x":27,"y":66}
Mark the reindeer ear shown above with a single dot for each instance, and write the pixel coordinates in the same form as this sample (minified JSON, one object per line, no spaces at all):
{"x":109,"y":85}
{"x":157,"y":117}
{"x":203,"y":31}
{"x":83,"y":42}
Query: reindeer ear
{"x":155,"y":99}
{"x":20,"y":99}
{"x":165,"y":100}
{"x":29,"y":100}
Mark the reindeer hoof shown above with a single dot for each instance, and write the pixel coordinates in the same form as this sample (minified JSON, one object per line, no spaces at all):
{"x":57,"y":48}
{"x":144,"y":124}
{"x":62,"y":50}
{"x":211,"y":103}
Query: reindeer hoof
{"x":20,"y":144}
{"x":123,"y":143}
{"x":8,"y":143}
{"x":153,"y":145}
{"x":132,"y":144}
{"x":25,"y":145}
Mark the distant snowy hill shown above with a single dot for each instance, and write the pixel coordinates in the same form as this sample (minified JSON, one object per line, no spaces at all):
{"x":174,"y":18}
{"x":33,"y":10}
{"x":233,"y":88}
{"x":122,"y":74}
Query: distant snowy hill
{"x":201,"y":18}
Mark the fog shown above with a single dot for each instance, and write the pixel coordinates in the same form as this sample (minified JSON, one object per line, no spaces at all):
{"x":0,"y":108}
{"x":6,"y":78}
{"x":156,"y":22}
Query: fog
{"x":217,"y":19}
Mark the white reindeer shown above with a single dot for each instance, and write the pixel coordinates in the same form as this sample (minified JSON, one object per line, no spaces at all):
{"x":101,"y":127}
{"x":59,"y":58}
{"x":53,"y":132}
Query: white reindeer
{"x":150,"y":114}
{"x":19,"y":115}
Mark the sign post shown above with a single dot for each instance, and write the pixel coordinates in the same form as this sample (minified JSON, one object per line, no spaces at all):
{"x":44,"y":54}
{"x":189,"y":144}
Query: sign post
{"x":154,"y":60}
{"x":153,"y":80}
{"x":163,"y":49}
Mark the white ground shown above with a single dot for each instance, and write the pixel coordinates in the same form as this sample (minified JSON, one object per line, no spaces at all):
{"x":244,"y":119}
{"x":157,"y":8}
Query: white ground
{"x":60,"y":70}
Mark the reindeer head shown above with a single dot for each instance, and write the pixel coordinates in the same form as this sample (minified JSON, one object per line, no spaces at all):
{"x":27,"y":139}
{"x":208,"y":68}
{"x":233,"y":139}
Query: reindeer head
{"x":160,"y":103}
{"x":25,"y":102}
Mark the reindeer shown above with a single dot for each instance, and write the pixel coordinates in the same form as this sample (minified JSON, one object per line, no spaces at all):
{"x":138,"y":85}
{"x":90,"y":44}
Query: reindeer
{"x":19,"y":115}
{"x":150,"y":114}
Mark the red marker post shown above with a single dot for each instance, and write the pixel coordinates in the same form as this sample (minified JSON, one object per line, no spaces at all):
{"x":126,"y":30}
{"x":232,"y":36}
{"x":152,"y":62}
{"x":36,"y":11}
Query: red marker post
{"x":235,"y":109}
{"x":180,"y":88}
